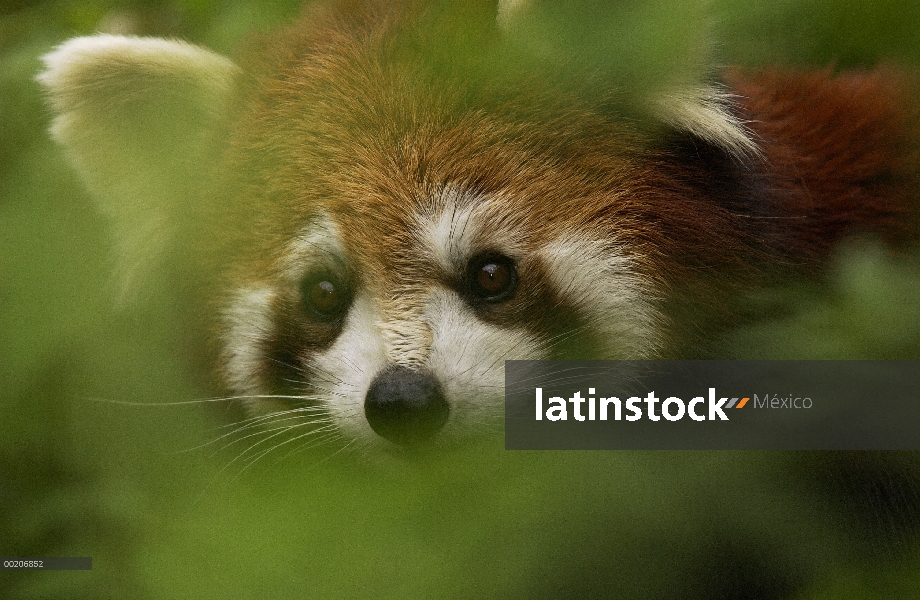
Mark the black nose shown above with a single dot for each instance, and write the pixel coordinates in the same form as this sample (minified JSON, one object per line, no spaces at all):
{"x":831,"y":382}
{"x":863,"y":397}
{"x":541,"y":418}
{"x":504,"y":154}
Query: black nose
{"x":405,"y":406}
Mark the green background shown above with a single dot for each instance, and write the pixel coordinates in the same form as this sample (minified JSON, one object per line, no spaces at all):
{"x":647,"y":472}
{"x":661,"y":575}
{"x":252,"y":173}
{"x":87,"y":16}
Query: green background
{"x":167,"y":509}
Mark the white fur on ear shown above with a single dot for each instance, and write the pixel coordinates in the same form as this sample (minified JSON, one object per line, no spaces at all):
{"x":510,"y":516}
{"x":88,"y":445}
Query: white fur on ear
{"x":138,"y":118}
{"x":705,"y":112}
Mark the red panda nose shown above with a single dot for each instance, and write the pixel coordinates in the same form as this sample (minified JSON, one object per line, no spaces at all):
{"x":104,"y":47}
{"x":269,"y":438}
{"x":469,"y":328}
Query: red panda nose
{"x":405,"y":406}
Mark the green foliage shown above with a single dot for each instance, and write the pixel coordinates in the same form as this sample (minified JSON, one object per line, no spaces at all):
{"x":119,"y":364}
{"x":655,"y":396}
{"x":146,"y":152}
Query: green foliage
{"x":866,"y":307}
{"x":80,"y":475}
{"x":641,"y":47}
{"x":845,"y":33}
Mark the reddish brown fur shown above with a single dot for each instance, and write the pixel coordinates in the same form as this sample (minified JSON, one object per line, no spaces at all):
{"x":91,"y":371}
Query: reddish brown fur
{"x":840,"y":159}
{"x":839,"y":151}
{"x":341,"y":121}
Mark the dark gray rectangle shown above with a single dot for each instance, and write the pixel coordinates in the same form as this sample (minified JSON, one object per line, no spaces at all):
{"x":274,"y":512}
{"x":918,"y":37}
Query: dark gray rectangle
{"x":791,"y":405}
{"x":47,"y":563}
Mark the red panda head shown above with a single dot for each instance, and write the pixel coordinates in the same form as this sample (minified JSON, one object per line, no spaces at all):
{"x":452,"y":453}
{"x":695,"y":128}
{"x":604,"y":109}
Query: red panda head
{"x":432,"y":229}
{"x":389,"y":224}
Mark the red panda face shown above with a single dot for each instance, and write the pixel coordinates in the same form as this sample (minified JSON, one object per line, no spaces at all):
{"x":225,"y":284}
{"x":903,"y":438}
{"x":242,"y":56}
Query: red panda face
{"x":413,"y":266}
{"x":447,"y":291}
{"x":423,"y":231}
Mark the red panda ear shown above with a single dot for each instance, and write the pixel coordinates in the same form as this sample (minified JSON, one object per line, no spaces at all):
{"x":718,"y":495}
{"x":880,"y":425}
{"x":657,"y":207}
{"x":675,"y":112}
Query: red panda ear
{"x":705,"y":112}
{"x":139,"y":119}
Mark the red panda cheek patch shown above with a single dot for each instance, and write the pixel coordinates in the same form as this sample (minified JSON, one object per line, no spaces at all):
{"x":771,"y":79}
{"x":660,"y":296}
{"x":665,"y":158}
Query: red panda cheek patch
{"x":456,"y":226}
{"x":342,"y":373}
{"x":467,"y":356}
{"x":248,"y":325}
{"x":605,"y":285}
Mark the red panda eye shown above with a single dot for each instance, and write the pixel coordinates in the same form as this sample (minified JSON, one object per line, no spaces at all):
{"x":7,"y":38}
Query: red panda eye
{"x":324,"y":297}
{"x":492,"y":277}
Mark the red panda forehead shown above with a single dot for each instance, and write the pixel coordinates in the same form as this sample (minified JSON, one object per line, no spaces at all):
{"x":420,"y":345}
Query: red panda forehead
{"x":400,"y":243}
{"x":439,"y":232}
{"x":424,"y":204}
{"x":338,"y":104}
{"x":383,"y":193}
{"x":387,"y":140}
{"x":428,"y":205}
{"x":384,"y":149}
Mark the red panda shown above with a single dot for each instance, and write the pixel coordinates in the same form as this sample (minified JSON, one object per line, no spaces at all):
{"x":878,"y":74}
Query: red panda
{"x":377,"y":221}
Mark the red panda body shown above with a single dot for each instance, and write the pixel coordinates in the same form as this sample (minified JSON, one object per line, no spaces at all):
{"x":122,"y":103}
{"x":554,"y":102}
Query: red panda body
{"x":839,"y":154}
{"x":387,"y":223}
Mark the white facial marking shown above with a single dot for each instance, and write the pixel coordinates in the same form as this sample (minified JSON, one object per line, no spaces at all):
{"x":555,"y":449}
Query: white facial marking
{"x":406,"y":335}
{"x":602,"y":281}
{"x":318,"y":245}
{"x":343,"y":373}
{"x":468,"y":358}
{"x":449,"y":234}
{"x":249,"y":325}
{"x":458,"y":225}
